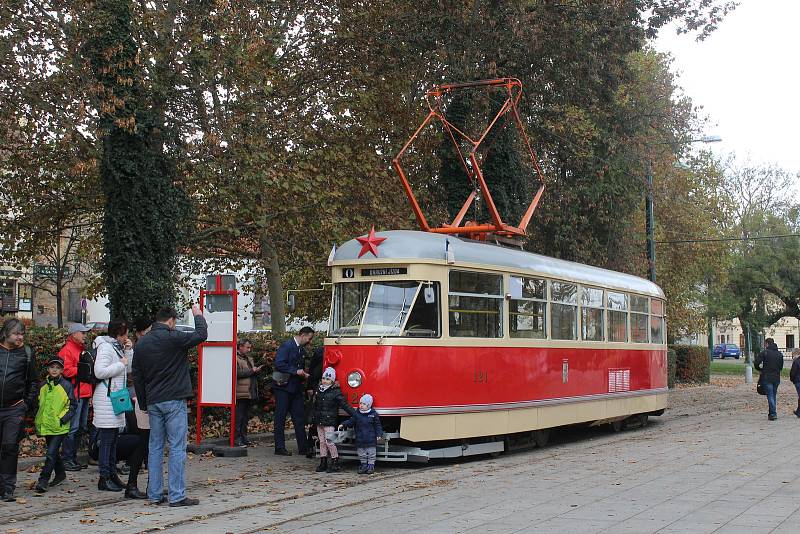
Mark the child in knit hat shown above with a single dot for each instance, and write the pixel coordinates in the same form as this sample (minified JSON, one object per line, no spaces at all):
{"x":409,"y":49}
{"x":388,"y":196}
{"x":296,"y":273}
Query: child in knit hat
{"x":327,"y":401}
{"x":368,"y":429}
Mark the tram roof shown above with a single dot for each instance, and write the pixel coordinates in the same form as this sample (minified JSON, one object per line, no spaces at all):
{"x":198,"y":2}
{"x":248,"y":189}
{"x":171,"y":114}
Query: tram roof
{"x":411,"y":246}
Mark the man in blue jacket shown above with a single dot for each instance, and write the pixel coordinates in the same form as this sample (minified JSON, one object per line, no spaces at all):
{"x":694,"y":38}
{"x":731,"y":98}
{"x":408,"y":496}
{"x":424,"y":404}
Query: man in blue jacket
{"x":287,"y":386}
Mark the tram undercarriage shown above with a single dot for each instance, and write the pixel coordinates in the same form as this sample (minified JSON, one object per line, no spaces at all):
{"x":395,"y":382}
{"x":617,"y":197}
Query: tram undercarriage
{"x":533,"y":426}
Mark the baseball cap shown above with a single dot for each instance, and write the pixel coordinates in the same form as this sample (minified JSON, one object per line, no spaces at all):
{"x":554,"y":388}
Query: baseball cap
{"x":55,"y":360}
{"x":78,"y":327}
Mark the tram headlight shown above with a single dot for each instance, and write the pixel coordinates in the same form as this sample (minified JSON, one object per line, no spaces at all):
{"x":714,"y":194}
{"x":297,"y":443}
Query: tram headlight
{"x":354,"y":379}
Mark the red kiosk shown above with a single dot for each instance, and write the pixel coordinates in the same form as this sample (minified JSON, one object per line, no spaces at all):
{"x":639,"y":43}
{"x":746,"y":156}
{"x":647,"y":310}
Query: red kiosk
{"x":216,"y":374}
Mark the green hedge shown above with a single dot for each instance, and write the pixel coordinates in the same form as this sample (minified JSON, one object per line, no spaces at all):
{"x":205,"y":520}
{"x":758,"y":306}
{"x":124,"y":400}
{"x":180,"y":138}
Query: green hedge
{"x":692,"y":363}
{"x":671,"y":365}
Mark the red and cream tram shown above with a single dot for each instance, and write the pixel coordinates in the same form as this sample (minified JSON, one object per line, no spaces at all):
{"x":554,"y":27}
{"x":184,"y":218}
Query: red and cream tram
{"x":462,"y":342}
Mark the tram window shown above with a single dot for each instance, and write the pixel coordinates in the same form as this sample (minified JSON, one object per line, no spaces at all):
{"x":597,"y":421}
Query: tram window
{"x":475,"y":304}
{"x":389,"y":304}
{"x":475,"y":316}
{"x":528,"y":307}
{"x":639,"y":328}
{"x":424,"y":318}
{"x":563,"y":311}
{"x":639,"y":304}
{"x":657,"y":322}
{"x":617,"y":317}
{"x":349,"y":303}
{"x":592,"y":326}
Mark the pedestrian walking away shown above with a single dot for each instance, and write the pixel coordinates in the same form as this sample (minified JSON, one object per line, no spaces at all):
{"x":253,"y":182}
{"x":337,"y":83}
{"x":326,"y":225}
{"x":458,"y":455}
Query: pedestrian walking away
{"x":111,"y":368}
{"x":327,"y":402}
{"x":17,"y":392}
{"x":368,"y":430}
{"x":70,"y":353}
{"x":770,"y":362}
{"x":56,"y":408}
{"x":794,"y":376}
{"x":246,"y":389}
{"x":161,"y":376}
{"x":287,"y":386}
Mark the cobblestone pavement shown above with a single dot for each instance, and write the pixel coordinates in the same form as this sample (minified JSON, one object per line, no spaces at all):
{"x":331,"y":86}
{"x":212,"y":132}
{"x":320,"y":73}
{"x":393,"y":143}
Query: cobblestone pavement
{"x":713,"y":463}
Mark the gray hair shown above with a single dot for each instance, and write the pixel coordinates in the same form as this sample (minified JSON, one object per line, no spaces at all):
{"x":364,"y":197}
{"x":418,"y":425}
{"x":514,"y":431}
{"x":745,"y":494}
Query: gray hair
{"x":11,"y":326}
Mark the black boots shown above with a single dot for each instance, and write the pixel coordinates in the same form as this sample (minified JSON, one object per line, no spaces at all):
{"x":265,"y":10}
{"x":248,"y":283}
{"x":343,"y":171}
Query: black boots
{"x":108,"y":484}
{"x":323,"y":465}
{"x":132,"y":492}
{"x":333,"y":466}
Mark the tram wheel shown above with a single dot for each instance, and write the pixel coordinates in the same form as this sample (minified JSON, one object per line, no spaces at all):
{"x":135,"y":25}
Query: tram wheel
{"x":541,"y":437}
{"x":618,"y":425}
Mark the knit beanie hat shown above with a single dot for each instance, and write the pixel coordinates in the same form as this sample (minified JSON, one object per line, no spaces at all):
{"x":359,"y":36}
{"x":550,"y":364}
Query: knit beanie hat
{"x":366,"y":398}
{"x":330,"y":373}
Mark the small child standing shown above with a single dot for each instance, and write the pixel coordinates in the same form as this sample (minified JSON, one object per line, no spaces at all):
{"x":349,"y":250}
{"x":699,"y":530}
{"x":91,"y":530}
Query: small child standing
{"x":327,"y":401}
{"x":57,"y":405}
{"x":368,"y":428}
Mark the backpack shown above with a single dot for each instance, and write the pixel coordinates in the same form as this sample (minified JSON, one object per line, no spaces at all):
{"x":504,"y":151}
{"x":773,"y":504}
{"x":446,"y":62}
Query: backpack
{"x":86,"y":367}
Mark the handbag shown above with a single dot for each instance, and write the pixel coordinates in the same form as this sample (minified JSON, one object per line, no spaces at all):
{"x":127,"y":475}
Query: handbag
{"x":760,"y":385}
{"x":280,"y":378}
{"x":120,"y":400}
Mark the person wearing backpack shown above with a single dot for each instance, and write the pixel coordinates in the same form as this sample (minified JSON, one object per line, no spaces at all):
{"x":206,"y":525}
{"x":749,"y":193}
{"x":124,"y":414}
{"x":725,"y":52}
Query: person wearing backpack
{"x":77,"y":372}
{"x":17,"y":394}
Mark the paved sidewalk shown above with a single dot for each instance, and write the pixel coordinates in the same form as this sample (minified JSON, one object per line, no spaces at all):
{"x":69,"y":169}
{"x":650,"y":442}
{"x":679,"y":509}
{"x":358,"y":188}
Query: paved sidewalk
{"x":712,"y":464}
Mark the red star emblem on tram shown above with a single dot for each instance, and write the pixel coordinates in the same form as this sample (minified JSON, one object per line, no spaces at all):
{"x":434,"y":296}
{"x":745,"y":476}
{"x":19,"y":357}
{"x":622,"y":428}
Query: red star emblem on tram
{"x":370,"y":243}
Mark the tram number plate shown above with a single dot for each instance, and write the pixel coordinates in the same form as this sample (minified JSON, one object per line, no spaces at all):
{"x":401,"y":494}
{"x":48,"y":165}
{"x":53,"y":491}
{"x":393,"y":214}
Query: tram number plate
{"x":480,"y":376}
{"x":384,"y":271}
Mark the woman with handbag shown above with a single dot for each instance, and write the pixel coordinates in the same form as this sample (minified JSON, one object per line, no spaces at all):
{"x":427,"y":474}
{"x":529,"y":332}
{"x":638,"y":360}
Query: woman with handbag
{"x":111,"y":398}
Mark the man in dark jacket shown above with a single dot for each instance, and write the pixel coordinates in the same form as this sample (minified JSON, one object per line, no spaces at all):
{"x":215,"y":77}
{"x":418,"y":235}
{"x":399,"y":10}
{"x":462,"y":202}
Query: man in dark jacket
{"x":287,"y":386}
{"x":17,"y":394}
{"x":161,"y":375}
{"x":770,"y":362}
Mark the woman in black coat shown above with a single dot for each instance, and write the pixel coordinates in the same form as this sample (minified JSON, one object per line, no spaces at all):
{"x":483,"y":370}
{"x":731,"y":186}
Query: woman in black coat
{"x":327,"y":400}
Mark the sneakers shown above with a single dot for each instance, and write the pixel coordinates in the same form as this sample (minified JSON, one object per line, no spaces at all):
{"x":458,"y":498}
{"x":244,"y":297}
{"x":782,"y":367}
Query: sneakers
{"x":772,"y":417}
{"x":240,"y":443}
{"x":370,"y":469}
{"x":58,"y":479}
{"x":282,"y":452}
{"x":70,"y":465}
{"x":186,"y":501}
{"x":362,"y":469}
{"x":41,"y":486}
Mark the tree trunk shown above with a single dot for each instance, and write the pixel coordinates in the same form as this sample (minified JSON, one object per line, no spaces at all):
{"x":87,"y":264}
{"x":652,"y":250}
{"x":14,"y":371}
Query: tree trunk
{"x":59,"y":290}
{"x":269,"y":259}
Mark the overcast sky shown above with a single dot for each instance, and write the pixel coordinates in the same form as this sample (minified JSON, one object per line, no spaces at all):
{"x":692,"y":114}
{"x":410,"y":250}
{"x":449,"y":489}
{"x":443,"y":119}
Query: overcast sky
{"x":745,"y":77}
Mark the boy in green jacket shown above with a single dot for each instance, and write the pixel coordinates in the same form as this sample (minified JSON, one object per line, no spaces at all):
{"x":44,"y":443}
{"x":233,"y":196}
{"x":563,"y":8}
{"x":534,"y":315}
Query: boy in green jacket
{"x":57,"y":405}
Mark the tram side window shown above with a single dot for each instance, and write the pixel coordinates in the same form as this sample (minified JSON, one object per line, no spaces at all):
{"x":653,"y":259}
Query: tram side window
{"x":617,"y":317}
{"x":424,"y":318}
{"x":657,"y":321}
{"x":528,"y":307}
{"x":639,"y":319}
{"x":563,"y":311}
{"x":475,"y":304}
{"x":592,"y":311}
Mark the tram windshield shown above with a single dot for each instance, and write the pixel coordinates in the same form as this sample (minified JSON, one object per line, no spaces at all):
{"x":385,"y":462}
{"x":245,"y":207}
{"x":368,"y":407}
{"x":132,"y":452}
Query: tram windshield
{"x":406,"y":308}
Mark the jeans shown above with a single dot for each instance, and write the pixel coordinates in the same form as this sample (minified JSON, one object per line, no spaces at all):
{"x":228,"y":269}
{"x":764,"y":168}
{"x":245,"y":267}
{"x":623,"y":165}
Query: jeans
{"x":53,"y":459}
{"x":77,"y":426}
{"x":242,"y":417}
{"x":772,"y":392}
{"x":108,"y":452}
{"x":168,"y":423}
{"x":292,"y":403}
{"x":10,"y":435}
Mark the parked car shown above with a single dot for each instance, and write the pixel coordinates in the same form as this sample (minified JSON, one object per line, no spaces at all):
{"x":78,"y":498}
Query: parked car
{"x":724,"y":350}
{"x":98,"y":327}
